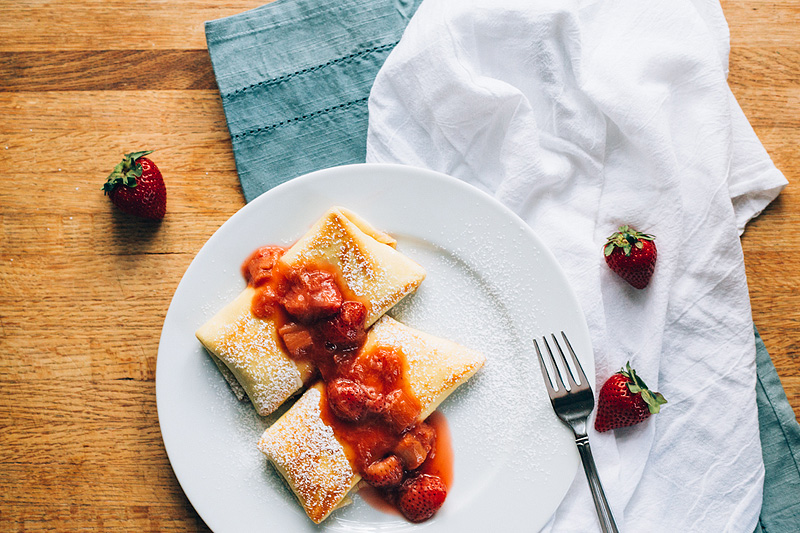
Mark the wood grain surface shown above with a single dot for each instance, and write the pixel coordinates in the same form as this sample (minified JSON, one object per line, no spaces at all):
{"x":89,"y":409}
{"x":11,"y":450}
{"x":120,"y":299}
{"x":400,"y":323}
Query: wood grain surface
{"x":84,"y":289}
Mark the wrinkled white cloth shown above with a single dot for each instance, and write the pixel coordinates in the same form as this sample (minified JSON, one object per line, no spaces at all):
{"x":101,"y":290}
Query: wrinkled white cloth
{"x":582,"y":116}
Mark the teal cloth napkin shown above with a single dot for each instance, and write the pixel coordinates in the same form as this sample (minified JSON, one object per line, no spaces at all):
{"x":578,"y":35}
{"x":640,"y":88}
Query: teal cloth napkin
{"x":295,"y":76}
{"x":780,"y":445}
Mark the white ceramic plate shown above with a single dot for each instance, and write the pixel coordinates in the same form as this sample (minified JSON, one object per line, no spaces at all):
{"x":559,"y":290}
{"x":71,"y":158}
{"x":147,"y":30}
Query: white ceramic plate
{"x":491,"y":285}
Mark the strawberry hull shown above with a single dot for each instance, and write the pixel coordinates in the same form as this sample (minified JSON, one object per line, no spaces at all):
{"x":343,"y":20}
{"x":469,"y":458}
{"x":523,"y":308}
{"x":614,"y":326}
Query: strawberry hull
{"x":625,"y":400}
{"x":137,"y":188}
{"x":631,"y":255}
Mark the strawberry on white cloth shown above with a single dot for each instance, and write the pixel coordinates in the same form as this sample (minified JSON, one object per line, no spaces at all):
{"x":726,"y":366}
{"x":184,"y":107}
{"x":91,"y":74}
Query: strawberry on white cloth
{"x":581,"y":117}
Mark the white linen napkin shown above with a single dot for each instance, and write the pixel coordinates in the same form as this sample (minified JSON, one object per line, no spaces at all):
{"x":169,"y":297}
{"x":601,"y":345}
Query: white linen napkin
{"x":582,"y":116}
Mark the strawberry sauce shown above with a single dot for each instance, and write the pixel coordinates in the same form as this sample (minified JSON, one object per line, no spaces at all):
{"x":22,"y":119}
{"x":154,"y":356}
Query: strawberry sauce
{"x":368,"y":401}
{"x":440,"y":461}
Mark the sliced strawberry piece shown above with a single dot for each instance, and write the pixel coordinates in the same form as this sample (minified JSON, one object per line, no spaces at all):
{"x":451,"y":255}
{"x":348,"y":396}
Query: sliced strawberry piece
{"x":348,"y":399}
{"x":257,"y":269}
{"x":387,"y":472}
{"x":266,"y":302}
{"x":384,"y":368}
{"x":415,"y":446}
{"x":398,"y":410}
{"x":345,"y":330}
{"x":298,"y":340}
{"x":312,"y":295}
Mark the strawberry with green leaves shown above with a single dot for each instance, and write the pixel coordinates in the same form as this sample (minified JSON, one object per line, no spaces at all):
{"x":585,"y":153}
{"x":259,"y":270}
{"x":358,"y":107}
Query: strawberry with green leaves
{"x":136,"y":187}
{"x":625,"y":400}
{"x":632,"y":255}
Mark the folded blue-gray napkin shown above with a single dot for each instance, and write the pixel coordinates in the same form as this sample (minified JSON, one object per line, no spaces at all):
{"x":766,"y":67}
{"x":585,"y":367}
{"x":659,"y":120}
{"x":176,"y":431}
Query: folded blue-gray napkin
{"x":295,"y":76}
{"x":780,"y":445}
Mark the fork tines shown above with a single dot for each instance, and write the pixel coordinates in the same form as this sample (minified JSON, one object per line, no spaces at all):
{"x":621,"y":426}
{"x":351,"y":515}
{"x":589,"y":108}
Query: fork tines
{"x":556,"y":376}
{"x":573,"y":407}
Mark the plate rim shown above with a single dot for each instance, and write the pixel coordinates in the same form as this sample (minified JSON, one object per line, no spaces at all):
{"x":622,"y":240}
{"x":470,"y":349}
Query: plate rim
{"x":303,"y":181}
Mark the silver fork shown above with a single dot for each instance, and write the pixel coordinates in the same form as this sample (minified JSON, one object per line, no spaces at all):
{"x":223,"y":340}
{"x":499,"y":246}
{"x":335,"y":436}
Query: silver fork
{"x":573,"y":406}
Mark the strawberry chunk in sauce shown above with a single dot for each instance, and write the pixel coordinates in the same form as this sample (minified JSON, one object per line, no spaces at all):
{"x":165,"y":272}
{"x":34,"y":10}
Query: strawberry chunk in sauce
{"x":298,"y":340}
{"x":420,"y":497}
{"x":368,"y":401}
{"x":312,"y":295}
{"x":266,"y":302}
{"x":415,"y":445}
{"x":345,"y":331}
{"x":348,"y":399}
{"x":384,"y":473}
{"x":257,"y":270}
{"x":399,"y":411}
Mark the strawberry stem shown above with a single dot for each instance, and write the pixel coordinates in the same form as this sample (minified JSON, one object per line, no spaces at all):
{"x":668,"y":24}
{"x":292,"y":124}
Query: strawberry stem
{"x":654,"y":400}
{"x":125,"y":172}
{"x":626,"y":238}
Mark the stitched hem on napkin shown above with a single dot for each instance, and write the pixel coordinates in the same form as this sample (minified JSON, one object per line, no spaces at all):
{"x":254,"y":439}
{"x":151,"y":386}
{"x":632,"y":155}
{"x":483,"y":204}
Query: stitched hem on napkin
{"x":295,"y":78}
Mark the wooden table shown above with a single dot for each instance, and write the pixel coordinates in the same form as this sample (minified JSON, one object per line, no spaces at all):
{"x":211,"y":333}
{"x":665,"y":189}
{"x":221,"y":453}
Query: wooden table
{"x":84,"y":289}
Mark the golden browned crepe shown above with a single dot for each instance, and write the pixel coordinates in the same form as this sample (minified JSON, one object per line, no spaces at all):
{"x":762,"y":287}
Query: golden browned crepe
{"x":250,"y":350}
{"x":305,"y":450}
{"x":372,"y":269}
{"x":247,"y":349}
{"x":435,"y":366}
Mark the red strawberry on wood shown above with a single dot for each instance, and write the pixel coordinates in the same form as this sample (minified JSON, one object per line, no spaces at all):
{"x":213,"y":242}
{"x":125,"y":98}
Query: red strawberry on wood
{"x":136,"y":187}
{"x":625,"y":400}
{"x":632,"y":255}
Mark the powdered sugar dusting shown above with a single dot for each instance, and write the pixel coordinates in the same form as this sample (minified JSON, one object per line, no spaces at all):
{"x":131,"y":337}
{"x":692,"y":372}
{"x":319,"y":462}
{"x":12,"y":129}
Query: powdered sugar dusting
{"x":233,"y":383}
{"x":305,"y":450}
{"x":249,"y":348}
{"x":238,"y":428}
{"x":464,"y":299}
{"x":435,"y":365}
{"x":211,"y":306}
{"x":379,"y":282}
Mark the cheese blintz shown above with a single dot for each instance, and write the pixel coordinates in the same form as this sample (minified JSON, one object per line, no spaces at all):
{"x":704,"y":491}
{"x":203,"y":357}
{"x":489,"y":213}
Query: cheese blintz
{"x":258,"y":340}
{"x":369,"y":412}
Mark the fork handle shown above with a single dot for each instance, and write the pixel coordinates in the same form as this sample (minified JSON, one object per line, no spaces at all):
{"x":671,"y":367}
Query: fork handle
{"x":607,"y":524}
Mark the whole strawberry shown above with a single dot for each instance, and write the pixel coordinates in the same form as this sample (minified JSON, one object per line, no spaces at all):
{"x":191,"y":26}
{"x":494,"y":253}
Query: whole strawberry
{"x":420,"y":497}
{"x":632,"y":255}
{"x":137,"y":188}
{"x":625,"y":400}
